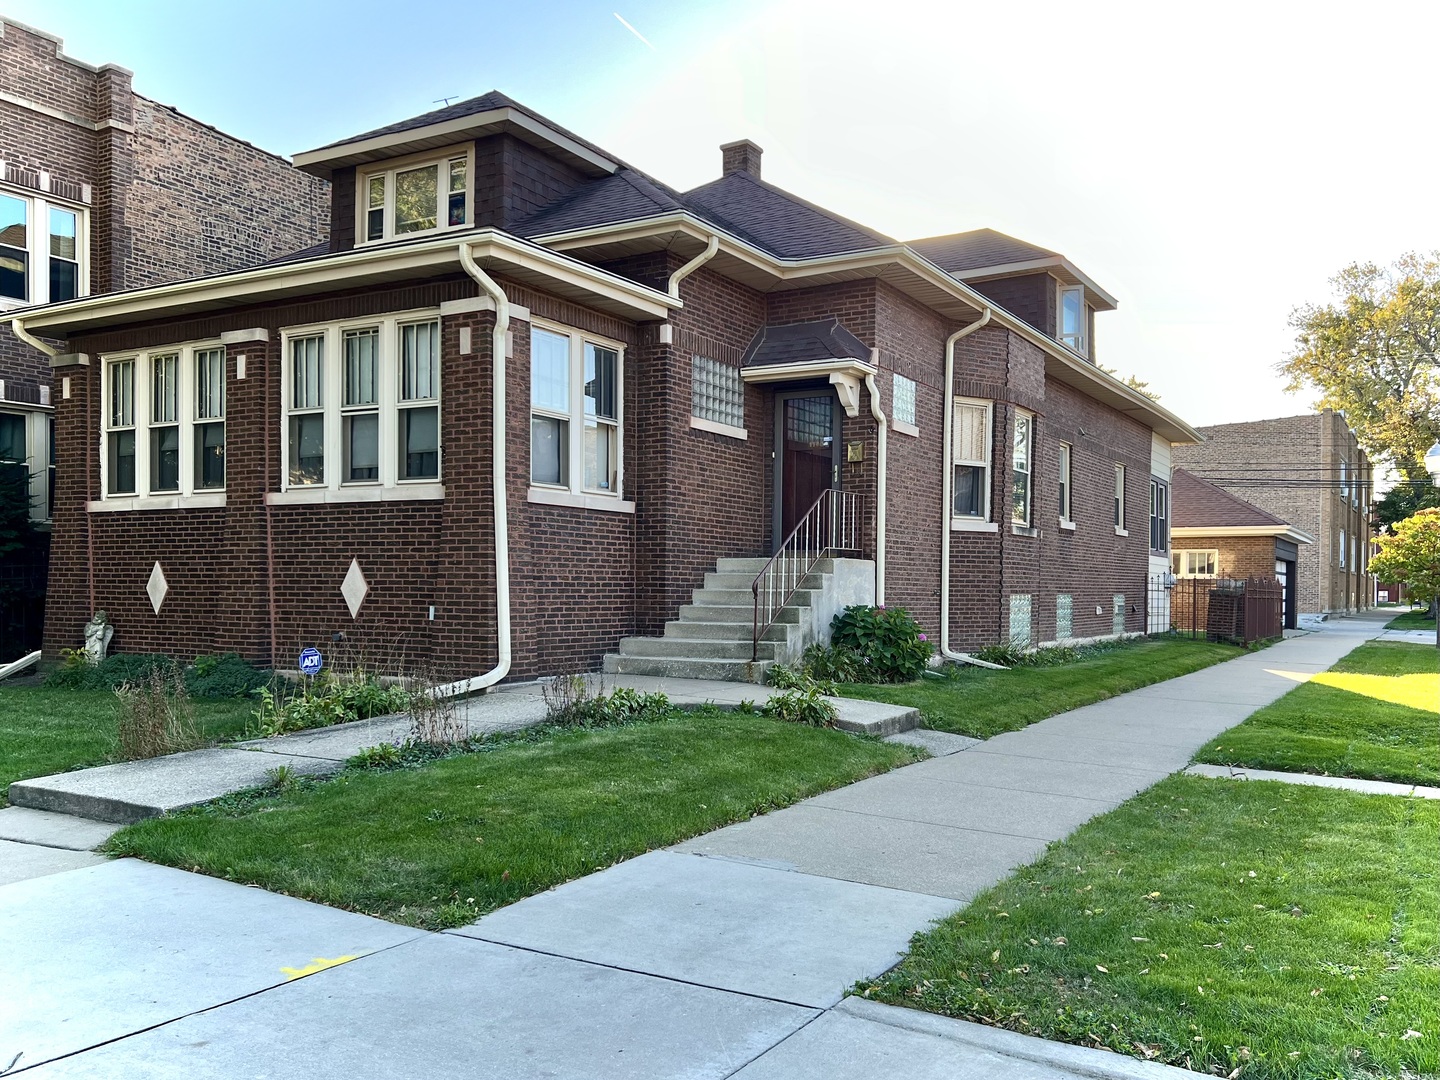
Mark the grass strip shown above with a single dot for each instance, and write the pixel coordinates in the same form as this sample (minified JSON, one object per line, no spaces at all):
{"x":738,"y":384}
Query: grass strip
{"x":439,"y":845}
{"x":980,"y":702}
{"x":1411,"y":620}
{"x":1260,"y":930}
{"x":48,"y":731}
{"x":1374,"y":715}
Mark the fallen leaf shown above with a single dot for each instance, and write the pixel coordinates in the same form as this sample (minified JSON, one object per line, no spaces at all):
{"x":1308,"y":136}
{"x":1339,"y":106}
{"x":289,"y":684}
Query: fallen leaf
{"x":995,"y":957}
{"x":1139,"y":939}
{"x":1099,"y":967}
{"x":1146,"y":971}
{"x":1411,"y":1033}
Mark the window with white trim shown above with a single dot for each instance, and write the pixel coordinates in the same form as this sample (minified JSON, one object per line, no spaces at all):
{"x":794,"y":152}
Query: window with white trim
{"x":42,"y":250}
{"x":163,"y":413}
{"x":575,"y":403}
{"x":362,"y":403}
{"x":1070,"y":319}
{"x":717,"y":394}
{"x":1021,"y":472}
{"x":1190,"y":563}
{"x":904,"y":398}
{"x":1066,"y":452}
{"x":1120,"y":497}
{"x":1342,"y":549}
{"x":970,"y":460}
{"x":1159,"y":515}
{"x":414,"y":196}
{"x":27,"y":453}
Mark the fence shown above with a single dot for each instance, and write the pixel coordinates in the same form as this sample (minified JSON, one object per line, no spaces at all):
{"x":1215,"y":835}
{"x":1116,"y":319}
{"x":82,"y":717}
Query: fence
{"x":22,"y":609}
{"x":1219,"y":609}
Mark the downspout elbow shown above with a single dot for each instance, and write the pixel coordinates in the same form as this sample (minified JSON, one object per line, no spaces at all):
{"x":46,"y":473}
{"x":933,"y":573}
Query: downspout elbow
{"x":711,"y":247}
{"x":17,"y":325}
{"x":498,"y":461}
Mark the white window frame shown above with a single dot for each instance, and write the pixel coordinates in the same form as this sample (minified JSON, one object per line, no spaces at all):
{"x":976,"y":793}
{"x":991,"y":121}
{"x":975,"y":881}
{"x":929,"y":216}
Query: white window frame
{"x":575,"y":493}
{"x":1180,"y":557}
{"x":1065,"y":466}
{"x":900,"y":423}
{"x":1342,"y":549}
{"x":972,"y":522}
{"x":1027,"y":519}
{"x":389,"y":485}
{"x":1078,"y":342}
{"x":39,"y":422}
{"x":1159,"y":509}
{"x":1120,"y":528}
{"x":37,"y":246}
{"x":144,"y":498}
{"x":388,"y":169}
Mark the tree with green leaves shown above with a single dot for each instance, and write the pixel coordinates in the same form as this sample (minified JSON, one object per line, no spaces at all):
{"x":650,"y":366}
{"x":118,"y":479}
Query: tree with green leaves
{"x":1374,"y":354}
{"x":1410,"y":554}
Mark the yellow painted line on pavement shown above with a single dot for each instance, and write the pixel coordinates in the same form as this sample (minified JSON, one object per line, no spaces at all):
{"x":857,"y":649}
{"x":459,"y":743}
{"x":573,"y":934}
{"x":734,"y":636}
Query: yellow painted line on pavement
{"x":318,"y":964}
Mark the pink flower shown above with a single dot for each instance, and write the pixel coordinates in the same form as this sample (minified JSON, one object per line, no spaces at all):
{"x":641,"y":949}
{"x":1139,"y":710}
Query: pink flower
{"x":924,"y":638}
{"x":880,"y":608}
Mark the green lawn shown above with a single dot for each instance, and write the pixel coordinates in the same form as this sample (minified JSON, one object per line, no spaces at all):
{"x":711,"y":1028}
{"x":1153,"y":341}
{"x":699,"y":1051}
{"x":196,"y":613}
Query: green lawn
{"x":1277,"y":930}
{"x":1411,"y":620}
{"x":48,"y":731}
{"x":441,"y":844}
{"x":980,"y":702}
{"x":1374,"y":715}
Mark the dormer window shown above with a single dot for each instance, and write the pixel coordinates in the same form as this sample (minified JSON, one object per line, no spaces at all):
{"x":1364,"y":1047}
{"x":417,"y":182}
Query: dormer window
{"x":1071,"y":319}
{"x":415,"y":196}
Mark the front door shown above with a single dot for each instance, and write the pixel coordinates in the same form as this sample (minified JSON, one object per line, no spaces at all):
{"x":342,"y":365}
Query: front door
{"x":807,"y":436}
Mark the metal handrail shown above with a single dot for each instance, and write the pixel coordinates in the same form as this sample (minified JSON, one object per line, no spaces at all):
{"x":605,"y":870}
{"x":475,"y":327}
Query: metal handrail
{"x":833,"y":524}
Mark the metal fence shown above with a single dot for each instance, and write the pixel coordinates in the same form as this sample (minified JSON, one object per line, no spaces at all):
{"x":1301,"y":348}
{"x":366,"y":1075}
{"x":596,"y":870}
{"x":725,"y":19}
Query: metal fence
{"x":1218,"y":609}
{"x":22,"y":609}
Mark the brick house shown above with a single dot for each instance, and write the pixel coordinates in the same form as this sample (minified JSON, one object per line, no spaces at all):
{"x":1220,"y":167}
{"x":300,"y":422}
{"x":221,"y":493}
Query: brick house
{"x":1308,"y":471}
{"x":1219,"y":535}
{"x":104,"y":190}
{"x":532,"y":408}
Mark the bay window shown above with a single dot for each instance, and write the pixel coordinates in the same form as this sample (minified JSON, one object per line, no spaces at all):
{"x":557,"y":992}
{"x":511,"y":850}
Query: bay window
{"x":161,"y":409}
{"x":576,"y":391}
{"x":415,"y":196}
{"x":41,"y":250}
{"x":970,"y":460}
{"x":362,"y":407}
{"x":1071,"y":320}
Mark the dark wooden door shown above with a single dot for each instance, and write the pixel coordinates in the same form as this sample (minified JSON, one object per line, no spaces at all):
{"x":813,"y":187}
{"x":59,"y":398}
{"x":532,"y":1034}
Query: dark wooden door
{"x":808,"y":456}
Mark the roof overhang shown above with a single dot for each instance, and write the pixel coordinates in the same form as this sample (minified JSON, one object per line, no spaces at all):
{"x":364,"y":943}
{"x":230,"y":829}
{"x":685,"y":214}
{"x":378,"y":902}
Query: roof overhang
{"x":326,"y":159}
{"x":810,"y":369}
{"x":897,"y":265}
{"x":499,"y":252}
{"x":1056,"y":265}
{"x":1282,"y":532}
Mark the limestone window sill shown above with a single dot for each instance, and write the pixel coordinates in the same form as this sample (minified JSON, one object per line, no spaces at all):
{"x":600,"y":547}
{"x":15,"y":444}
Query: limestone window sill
{"x":1120,"y":532}
{"x":1068,"y":526}
{"x":1024,"y":530}
{"x":972,"y":525}
{"x":313,"y":496}
{"x":207,"y":501}
{"x":902,"y":428}
{"x":605,"y":503}
{"x":699,"y":423}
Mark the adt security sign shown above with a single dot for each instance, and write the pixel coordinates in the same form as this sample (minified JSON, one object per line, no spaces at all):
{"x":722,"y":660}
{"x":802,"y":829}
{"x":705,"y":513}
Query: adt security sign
{"x":311,"y":662}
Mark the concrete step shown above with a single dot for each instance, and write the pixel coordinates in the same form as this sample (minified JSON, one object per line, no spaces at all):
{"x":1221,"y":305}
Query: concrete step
{"x":696,"y":648}
{"x":745,"y":598}
{"x":45,"y":828}
{"x":743,"y":582}
{"x":705,"y":631}
{"x":661,"y":667}
{"x":737,"y":616}
{"x":741,"y":566}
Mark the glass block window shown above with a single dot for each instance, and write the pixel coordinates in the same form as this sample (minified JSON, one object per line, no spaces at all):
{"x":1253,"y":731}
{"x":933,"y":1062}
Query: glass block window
{"x":1117,"y":621}
{"x":716,"y":392}
{"x":904,"y":400}
{"x":1064,"y":617}
{"x":1020,"y":620}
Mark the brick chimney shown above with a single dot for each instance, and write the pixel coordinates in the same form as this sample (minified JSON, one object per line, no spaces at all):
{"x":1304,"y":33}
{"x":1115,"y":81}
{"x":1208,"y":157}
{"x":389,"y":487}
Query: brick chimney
{"x":742,"y":156}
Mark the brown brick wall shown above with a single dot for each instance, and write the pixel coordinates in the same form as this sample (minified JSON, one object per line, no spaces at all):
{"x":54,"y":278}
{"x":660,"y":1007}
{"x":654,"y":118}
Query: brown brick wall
{"x":1031,"y":297}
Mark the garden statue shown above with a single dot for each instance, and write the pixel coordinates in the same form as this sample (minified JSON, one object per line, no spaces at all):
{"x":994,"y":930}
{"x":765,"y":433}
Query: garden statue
{"x":98,"y":633}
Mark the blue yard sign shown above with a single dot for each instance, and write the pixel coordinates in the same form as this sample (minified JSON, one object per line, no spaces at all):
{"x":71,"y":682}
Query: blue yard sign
{"x":311,"y":661}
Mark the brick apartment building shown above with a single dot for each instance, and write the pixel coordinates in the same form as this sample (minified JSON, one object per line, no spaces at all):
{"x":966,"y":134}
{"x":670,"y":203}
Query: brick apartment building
{"x":529,"y":399}
{"x":101,"y":190}
{"x":1309,"y":472}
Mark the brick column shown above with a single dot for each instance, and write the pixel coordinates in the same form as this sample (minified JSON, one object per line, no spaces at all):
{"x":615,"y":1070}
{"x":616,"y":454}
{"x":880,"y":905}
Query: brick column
{"x":77,"y":476}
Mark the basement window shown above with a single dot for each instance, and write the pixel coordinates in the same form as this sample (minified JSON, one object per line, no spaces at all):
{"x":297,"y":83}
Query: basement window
{"x":414,"y":196}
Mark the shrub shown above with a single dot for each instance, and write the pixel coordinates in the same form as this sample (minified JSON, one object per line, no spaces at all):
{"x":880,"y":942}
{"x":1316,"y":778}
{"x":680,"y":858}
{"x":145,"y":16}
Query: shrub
{"x":801,"y":706}
{"x":384,"y":756}
{"x":224,"y":676}
{"x":626,"y":706}
{"x":833,"y":664}
{"x":1005,"y":654}
{"x":154,"y":716}
{"x":329,"y":699}
{"x":580,"y":701}
{"x":887,"y":641}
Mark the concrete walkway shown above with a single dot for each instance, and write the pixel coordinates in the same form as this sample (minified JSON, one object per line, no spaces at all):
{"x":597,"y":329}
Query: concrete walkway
{"x":1344,"y":783}
{"x":727,"y":956}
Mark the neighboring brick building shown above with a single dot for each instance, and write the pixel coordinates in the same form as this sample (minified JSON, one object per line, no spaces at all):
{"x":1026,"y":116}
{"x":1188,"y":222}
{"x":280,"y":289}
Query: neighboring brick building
{"x":686,"y":376}
{"x":1219,"y":535}
{"x":102,"y":189}
{"x":1308,"y":471}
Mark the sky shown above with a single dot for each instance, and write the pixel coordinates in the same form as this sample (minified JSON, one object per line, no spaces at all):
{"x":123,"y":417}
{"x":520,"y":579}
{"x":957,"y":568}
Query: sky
{"x":1211,"y":166}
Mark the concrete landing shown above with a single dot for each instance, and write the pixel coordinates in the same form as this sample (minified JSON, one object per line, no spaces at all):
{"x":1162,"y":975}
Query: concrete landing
{"x":136,"y":790}
{"x":22,"y":862}
{"x":48,"y":829}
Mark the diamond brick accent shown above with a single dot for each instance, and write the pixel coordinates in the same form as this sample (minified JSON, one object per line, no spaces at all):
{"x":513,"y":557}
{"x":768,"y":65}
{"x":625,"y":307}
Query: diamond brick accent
{"x":157,"y":587}
{"x":354,"y":588}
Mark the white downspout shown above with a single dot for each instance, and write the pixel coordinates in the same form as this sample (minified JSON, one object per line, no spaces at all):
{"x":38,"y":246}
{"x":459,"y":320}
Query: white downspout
{"x":947,"y":484}
{"x":694,"y":264}
{"x":497,"y":463}
{"x":882,"y":443}
{"x":24,"y":335}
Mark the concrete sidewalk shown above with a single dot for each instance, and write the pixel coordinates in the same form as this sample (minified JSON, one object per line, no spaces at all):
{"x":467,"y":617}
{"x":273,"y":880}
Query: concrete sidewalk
{"x":725,"y":957}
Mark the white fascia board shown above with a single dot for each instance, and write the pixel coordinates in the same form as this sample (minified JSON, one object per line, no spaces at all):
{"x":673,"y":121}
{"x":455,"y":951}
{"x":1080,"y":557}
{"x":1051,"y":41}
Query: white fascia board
{"x":337,"y":270}
{"x":813,"y":369}
{"x":1112,"y":390}
{"x":1284,"y":532}
{"x":378,"y":145}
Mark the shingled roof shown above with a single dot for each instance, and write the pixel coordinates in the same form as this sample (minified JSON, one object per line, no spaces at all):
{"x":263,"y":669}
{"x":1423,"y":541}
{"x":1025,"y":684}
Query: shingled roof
{"x":802,"y":343}
{"x":1199,"y":504}
{"x":625,"y":196}
{"x":977,"y":249}
{"x":780,"y":223}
